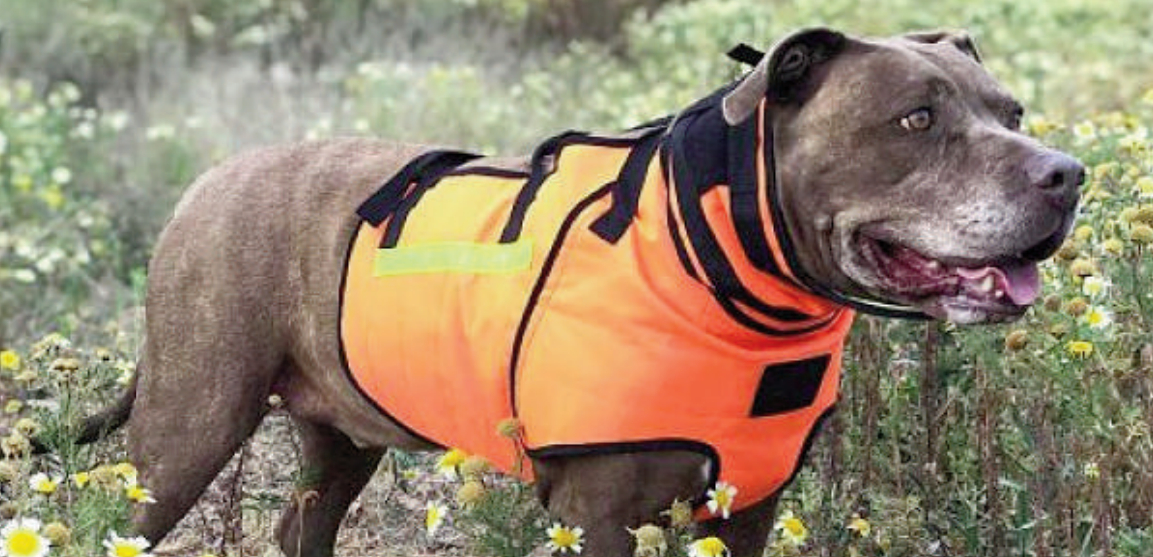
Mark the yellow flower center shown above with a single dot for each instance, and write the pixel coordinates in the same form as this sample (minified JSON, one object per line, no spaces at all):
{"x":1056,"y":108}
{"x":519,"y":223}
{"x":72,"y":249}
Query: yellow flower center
{"x":9,"y":360}
{"x":723,"y":498}
{"x":1080,"y":348}
{"x":23,"y":542}
{"x":126,"y":550}
{"x":795,"y":527}
{"x":860,"y":526}
{"x":564,"y":537}
{"x":1095,"y":317}
{"x":711,"y":547}
{"x":432,"y":517}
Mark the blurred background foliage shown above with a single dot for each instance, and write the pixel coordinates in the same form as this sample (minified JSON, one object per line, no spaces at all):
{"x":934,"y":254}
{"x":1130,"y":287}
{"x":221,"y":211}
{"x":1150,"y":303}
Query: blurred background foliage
{"x":951,"y":443}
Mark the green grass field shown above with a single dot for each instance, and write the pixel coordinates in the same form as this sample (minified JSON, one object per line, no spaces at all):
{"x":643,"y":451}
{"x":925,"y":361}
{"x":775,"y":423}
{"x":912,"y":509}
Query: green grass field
{"x":1029,"y":439}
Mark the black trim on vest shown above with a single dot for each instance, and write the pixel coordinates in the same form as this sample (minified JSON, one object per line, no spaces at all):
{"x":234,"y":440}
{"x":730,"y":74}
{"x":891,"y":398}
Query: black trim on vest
{"x":745,"y":54}
{"x":744,"y":197}
{"x":646,"y":446}
{"x":807,"y":447}
{"x":789,"y":386}
{"x":726,"y":285}
{"x":543,"y":163}
{"x":425,"y":179}
{"x":542,"y":280}
{"x":384,"y":201}
{"x":627,"y":188}
{"x":344,"y":355}
{"x":483,"y":170}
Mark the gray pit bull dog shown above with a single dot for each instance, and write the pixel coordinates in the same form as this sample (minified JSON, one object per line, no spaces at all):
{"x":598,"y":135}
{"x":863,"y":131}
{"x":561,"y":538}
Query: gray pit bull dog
{"x":900,"y":179}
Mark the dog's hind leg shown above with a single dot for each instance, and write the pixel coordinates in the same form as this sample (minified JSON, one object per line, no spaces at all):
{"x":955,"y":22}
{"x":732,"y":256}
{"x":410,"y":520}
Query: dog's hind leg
{"x":332,"y":474}
{"x":203,"y":391}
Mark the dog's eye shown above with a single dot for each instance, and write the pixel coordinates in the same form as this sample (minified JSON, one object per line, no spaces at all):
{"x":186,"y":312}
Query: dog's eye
{"x":918,"y":120}
{"x":1016,"y":118}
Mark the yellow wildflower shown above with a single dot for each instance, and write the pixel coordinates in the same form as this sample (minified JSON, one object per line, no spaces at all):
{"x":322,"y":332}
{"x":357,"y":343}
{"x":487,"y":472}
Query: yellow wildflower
{"x":9,"y":360}
{"x":80,"y":479}
{"x":449,"y":463}
{"x":1098,"y":317}
{"x":1145,"y":186}
{"x":21,"y":538}
{"x":1084,"y":130}
{"x":1083,"y":233}
{"x":721,"y":499}
{"x":434,"y":515}
{"x":13,"y":406}
{"x":43,"y":483}
{"x":1113,"y":246}
{"x":708,"y":547}
{"x":126,"y":471}
{"x":860,"y":526}
{"x":118,"y":546}
{"x":1080,"y":348}
{"x":564,"y":539}
{"x":792,"y":529}
{"x":138,"y":494}
{"x":1094,"y":286}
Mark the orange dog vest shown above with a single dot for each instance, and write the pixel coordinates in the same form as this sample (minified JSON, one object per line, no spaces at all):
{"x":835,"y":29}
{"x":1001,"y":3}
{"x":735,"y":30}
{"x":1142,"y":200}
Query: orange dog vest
{"x":619,"y":296}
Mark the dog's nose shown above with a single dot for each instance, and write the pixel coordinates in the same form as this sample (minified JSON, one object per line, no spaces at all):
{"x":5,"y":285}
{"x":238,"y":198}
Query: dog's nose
{"x":1058,"y":176}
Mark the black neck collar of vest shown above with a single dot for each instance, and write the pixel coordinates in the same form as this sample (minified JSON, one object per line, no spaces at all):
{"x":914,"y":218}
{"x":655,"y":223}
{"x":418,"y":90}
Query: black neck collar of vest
{"x":709,"y":152}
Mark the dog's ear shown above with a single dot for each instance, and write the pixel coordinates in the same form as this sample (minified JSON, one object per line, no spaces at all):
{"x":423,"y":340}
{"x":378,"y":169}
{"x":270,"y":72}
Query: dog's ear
{"x":959,"y":39}
{"x":780,"y":75}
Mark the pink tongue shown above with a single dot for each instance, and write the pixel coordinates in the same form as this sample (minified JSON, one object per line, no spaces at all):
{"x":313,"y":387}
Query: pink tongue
{"x":1022,"y":283}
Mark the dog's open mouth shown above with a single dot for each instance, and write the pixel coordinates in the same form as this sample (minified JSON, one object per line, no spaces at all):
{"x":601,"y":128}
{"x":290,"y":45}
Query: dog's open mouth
{"x":999,"y":287}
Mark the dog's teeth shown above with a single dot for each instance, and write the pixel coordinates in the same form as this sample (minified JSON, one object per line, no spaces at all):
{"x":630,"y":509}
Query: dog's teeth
{"x":999,"y":293}
{"x":987,"y":284}
{"x":933,"y":265}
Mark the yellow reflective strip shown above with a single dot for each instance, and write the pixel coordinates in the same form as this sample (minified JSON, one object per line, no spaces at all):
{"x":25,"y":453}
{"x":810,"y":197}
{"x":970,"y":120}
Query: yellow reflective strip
{"x":453,"y":257}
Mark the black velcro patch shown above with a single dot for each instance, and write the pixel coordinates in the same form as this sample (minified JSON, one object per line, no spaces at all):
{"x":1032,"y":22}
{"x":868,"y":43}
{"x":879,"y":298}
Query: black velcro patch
{"x":789,"y":386}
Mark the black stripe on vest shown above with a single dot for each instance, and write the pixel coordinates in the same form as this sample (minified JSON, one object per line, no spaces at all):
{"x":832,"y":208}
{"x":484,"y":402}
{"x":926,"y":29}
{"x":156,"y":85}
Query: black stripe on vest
{"x":726,"y":285}
{"x":427,"y":178}
{"x":385,"y":200}
{"x":627,"y":188}
{"x":543,"y":163}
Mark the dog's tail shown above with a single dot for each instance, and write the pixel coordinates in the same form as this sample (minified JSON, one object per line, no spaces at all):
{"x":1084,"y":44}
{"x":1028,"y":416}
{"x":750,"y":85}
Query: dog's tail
{"x":98,"y":426}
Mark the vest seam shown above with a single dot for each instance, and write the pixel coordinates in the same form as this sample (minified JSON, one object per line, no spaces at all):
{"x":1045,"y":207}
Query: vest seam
{"x":533,"y":303}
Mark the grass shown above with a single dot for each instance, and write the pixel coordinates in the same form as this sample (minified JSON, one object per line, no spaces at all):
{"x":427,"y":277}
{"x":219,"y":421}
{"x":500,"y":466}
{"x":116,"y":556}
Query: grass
{"x":1029,"y":439}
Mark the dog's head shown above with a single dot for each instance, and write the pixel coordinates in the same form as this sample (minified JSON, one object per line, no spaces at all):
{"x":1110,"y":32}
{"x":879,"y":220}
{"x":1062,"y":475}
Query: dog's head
{"x":903,"y":175}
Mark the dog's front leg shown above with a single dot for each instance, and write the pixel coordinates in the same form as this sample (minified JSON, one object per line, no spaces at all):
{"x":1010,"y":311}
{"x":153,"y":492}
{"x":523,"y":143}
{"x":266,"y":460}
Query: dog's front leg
{"x":606,"y":494}
{"x":746,"y":531}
